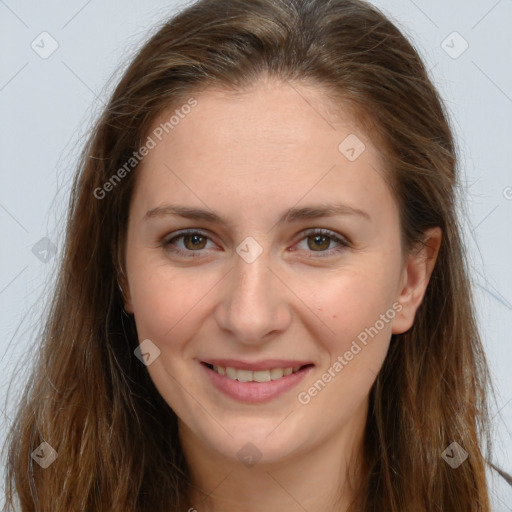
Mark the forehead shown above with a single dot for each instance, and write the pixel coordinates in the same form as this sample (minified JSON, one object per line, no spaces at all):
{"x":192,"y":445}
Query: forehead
{"x":269,"y":111}
{"x":274,"y":141}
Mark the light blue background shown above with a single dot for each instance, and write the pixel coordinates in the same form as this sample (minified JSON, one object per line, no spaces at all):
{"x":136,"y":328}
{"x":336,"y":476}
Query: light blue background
{"x":47,"y":106}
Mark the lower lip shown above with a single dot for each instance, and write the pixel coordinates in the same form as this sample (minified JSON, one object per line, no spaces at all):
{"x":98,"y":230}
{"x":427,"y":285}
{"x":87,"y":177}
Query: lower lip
{"x":255,"y":392}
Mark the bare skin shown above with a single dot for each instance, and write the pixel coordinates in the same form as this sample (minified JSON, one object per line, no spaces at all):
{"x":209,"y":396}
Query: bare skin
{"x":249,"y":157}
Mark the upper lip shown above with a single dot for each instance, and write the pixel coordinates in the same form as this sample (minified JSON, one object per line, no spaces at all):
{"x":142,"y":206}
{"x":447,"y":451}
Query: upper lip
{"x":265,"y":364}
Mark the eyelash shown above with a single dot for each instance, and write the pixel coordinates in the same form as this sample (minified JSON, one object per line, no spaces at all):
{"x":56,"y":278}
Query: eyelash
{"x":343,"y":243}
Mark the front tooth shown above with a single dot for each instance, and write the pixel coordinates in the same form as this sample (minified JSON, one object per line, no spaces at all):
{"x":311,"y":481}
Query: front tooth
{"x":244,"y":375}
{"x":231,"y":373}
{"x":257,"y":376}
{"x":276,"y":373}
{"x":261,"y":376}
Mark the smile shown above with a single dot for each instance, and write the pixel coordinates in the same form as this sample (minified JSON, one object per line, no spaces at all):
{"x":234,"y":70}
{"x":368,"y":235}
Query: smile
{"x":254,"y":376}
{"x":254,"y":385}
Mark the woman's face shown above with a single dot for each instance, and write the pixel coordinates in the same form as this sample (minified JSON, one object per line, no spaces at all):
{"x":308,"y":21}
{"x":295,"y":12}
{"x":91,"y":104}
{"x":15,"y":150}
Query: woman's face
{"x":254,"y":285}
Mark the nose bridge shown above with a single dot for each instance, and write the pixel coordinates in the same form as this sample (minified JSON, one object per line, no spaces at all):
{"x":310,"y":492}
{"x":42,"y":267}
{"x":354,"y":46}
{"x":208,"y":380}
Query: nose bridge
{"x":255,"y":303}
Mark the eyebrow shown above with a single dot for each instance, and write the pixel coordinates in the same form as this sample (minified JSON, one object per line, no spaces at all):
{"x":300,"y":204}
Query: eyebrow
{"x":290,"y":215}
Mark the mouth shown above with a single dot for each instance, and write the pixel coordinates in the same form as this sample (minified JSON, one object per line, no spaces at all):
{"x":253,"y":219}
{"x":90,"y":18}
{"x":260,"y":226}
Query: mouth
{"x":244,"y":375}
{"x":267,"y":380}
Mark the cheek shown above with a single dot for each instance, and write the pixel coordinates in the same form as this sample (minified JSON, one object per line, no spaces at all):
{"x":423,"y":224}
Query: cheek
{"x":167,"y":302}
{"x":352,"y":302}
{"x":168,"y":310}
{"x":359,"y":309}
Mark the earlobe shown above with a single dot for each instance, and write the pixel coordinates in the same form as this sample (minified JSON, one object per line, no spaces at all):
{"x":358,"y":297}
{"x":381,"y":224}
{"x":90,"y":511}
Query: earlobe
{"x":415,"y":278}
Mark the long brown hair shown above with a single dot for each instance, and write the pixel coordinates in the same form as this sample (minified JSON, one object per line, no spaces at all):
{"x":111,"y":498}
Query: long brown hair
{"x":91,"y":399}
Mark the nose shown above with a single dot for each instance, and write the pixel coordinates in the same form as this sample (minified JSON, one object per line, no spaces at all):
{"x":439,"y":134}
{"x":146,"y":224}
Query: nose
{"x":255,"y":305}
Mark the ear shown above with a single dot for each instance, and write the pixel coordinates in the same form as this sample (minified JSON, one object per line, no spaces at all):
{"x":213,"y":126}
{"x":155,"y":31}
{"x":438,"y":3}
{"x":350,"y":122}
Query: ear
{"x":415,"y":278}
{"x":125,"y":293}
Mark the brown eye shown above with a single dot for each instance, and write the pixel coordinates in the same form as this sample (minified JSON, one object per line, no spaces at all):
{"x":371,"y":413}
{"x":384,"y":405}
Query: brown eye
{"x":193,"y":242}
{"x":320,"y":242}
{"x":187,"y":243}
